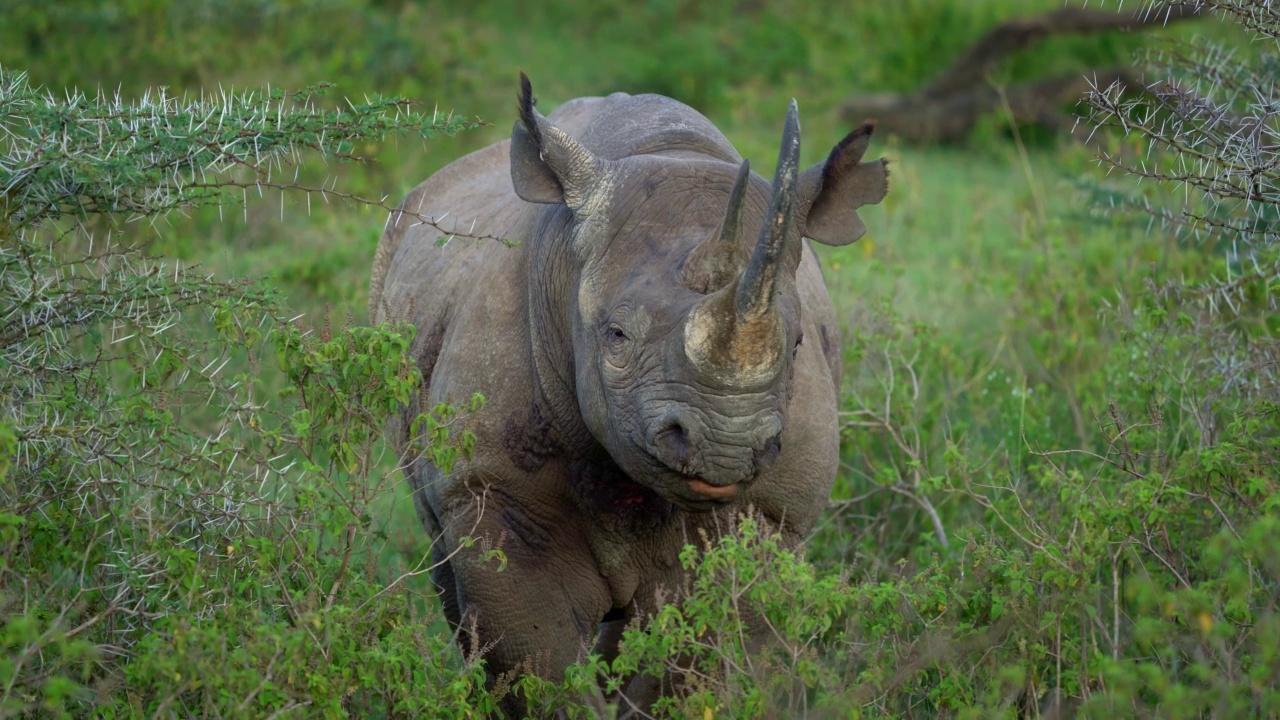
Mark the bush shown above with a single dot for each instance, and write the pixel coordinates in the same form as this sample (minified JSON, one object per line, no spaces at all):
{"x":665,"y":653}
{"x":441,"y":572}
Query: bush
{"x":183,"y":531}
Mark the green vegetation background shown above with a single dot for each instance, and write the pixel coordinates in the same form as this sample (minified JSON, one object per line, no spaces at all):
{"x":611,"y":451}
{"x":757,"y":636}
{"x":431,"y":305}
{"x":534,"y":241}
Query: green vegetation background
{"x":738,"y":62}
{"x":987,"y":282}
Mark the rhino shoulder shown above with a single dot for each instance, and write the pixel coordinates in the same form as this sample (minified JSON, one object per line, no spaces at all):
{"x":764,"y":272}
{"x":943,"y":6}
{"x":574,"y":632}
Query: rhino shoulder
{"x":470,"y":197}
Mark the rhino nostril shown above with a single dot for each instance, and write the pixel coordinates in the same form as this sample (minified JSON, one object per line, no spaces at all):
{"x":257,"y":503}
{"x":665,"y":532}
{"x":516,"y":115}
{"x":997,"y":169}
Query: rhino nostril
{"x":765,"y":455}
{"x":674,"y":442}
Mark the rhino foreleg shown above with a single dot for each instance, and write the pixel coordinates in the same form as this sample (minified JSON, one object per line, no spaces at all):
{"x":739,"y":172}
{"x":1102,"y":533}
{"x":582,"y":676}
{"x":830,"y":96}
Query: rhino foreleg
{"x":529,"y":595}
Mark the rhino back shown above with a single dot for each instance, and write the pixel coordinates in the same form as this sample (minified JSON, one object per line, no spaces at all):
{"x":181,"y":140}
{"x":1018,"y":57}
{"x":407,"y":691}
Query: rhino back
{"x":629,"y":125}
{"x":474,"y":197}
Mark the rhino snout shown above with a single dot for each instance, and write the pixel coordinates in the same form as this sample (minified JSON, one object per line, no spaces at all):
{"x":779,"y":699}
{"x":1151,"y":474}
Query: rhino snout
{"x":682,"y":442}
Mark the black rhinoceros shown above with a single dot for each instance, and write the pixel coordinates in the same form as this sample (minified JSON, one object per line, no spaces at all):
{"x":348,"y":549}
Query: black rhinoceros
{"x":658,"y":349}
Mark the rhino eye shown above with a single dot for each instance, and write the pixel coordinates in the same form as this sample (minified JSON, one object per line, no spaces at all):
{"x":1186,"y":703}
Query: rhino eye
{"x":796,"y":348}
{"x":616,"y":337}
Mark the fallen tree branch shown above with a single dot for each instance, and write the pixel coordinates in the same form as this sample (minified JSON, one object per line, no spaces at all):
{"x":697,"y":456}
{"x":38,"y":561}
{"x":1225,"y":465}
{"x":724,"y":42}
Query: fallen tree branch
{"x":948,"y":107}
{"x":971,"y":70}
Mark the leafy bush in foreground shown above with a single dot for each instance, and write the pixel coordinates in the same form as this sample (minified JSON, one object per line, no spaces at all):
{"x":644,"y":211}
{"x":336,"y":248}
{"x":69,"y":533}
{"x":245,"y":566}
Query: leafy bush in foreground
{"x":183,"y":532}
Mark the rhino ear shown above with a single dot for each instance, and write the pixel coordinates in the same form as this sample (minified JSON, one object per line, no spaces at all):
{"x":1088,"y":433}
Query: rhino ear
{"x":547,"y":165}
{"x":842,"y":184}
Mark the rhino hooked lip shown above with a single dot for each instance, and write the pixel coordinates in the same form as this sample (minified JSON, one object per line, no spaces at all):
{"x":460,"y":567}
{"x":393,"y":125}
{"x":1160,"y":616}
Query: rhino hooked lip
{"x":714,"y":492}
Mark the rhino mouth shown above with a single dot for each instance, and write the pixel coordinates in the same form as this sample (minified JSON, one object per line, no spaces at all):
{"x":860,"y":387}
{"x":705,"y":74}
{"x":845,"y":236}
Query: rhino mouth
{"x":713,"y":492}
{"x":698,"y":494}
{"x":688,"y":485}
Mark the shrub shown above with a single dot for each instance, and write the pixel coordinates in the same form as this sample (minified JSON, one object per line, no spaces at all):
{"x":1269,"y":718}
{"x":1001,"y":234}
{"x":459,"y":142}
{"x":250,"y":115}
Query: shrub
{"x":183,"y":531}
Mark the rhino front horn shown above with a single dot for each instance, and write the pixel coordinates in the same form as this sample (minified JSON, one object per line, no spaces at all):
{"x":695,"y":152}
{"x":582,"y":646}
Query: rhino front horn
{"x":758,"y":288}
{"x":735,"y":334}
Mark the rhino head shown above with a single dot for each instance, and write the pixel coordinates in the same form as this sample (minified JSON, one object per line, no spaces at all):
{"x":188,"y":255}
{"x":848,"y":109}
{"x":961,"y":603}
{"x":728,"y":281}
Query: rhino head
{"x":686,"y":318}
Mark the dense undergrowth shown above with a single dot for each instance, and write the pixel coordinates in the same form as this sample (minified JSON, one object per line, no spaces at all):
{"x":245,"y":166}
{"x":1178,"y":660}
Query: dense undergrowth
{"x":1062,"y":425}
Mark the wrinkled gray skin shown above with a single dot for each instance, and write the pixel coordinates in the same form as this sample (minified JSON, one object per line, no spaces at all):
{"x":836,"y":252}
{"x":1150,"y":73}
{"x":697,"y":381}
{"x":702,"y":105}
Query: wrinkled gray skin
{"x":654,"y":359}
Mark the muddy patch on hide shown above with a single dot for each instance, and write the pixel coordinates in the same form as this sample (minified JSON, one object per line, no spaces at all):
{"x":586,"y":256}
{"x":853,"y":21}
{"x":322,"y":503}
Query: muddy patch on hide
{"x":529,"y":444}
{"x":614,"y":499}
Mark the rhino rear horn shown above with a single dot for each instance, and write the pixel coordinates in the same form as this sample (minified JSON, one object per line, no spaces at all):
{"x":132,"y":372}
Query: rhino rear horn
{"x":718,"y":259}
{"x":547,"y":165}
